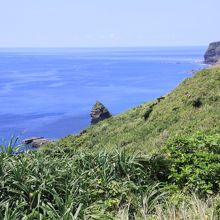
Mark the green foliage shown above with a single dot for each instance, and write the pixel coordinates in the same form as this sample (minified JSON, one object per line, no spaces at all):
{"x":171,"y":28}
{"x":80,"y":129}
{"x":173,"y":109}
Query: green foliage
{"x":10,"y":148}
{"x":217,"y":206}
{"x":195,"y":162}
{"x":58,"y":185}
{"x":62,"y":183}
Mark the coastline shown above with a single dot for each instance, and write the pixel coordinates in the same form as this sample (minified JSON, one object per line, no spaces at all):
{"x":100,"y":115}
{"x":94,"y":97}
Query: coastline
{"x":119,"y":79}
{"x":49,"y":140}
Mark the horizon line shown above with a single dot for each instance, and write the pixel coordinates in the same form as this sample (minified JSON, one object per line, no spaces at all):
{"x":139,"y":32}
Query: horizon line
{"x":99,"y":47}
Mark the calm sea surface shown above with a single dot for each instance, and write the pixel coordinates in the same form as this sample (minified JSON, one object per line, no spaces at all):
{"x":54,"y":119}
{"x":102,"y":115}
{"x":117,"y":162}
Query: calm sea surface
{"x":50,"y":92}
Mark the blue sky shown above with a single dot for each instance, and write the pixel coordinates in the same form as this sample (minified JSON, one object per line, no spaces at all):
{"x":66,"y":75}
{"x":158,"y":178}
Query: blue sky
{"x":108,"y":23}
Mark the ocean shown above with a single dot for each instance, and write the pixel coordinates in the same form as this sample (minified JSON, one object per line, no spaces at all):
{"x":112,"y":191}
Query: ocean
{"x":50,"y":92}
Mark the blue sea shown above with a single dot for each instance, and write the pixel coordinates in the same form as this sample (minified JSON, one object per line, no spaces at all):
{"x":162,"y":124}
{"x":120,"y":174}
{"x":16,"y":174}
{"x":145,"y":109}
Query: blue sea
{"x":50,"y":92}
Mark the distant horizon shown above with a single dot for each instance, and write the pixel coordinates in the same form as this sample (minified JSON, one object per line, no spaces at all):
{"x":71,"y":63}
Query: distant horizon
{"x":102,"y":47}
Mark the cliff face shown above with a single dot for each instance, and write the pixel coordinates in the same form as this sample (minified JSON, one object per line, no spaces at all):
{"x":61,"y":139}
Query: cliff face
{"x":212,"y":54}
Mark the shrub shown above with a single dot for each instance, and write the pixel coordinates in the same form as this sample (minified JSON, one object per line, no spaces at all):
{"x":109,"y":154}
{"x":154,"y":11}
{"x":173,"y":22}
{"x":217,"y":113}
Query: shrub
{"x":195,"y":162}
{"x":197,"y":103}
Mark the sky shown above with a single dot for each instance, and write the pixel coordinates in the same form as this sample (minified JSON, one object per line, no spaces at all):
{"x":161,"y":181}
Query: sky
{"x":108,"y":23}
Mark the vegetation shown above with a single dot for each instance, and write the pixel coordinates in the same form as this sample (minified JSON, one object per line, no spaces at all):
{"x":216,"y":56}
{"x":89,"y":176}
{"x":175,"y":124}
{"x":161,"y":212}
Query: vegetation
{"x":66,"y":184}
{"x":160,"y":160}
{"x":193,"y":106}
{"x":195,"y":162}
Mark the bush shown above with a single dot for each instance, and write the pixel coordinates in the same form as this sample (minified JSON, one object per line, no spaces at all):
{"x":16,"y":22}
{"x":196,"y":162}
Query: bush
{"x":195,"y":162}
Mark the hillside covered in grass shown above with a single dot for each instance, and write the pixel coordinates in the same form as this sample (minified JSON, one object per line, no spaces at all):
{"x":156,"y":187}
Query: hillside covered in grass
{"x":193,"y":106}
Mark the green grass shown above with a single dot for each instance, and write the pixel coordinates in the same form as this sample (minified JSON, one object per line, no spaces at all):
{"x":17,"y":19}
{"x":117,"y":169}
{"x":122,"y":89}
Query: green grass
{"x":191,"y":208}
{"x":61,"y":183}
{"x":176,"y":114}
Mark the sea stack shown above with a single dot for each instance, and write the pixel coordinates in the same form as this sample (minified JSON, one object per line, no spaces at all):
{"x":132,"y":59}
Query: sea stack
{"x":212,"y":55}
{"x":99,"y":113}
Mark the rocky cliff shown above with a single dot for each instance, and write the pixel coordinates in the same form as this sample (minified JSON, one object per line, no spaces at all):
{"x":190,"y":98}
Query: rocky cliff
{"x":212,"y":54}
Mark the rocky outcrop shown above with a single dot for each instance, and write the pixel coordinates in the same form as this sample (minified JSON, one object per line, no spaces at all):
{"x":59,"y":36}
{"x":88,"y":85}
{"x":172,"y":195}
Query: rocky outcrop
{"x":212,"y":55}
{"x":99,"y":113}
{"x":36,"y":141}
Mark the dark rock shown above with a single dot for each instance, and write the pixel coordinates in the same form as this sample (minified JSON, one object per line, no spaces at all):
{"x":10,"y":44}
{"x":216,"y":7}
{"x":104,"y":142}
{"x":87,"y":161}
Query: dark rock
{"x":36,"y":141}
{"x":99,"y":113}
{"x":148,"y":112}
{"x":160,"y":98}
{"x":212,"y":54}
{"x":197,"y":103}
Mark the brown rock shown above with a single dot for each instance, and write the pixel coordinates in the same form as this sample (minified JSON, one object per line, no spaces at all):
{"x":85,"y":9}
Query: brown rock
{"x":99,"y":113}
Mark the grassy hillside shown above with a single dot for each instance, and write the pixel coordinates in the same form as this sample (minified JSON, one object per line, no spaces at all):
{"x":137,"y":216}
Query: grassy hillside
{"x":193,"y":106}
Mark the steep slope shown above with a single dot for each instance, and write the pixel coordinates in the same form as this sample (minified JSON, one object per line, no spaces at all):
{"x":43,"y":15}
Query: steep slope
{"x":193,"y":106}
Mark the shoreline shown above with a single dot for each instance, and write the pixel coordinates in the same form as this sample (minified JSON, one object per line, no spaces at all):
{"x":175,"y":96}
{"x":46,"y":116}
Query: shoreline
{"x":47,"y":140}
